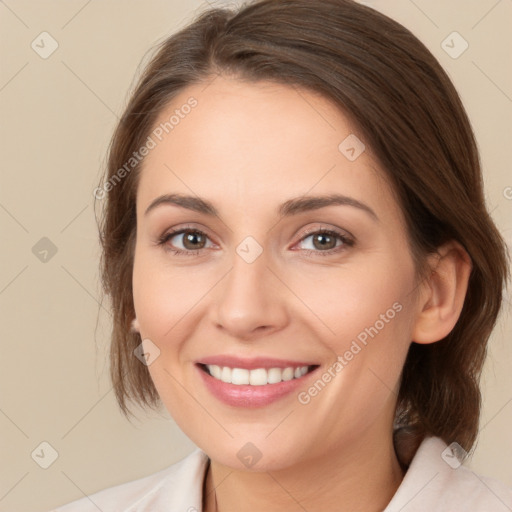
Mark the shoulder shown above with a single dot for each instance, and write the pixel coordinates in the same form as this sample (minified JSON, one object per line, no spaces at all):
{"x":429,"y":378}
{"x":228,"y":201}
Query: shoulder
{"x":436,"y":481}
{"x":178,"y":487}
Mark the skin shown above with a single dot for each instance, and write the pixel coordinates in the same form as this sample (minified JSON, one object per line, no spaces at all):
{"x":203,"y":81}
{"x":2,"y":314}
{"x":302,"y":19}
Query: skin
{"x":247,"y":148}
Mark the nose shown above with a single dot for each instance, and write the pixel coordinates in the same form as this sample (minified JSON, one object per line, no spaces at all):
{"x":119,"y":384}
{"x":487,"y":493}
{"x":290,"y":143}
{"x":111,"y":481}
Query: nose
{"x":250,"y":301}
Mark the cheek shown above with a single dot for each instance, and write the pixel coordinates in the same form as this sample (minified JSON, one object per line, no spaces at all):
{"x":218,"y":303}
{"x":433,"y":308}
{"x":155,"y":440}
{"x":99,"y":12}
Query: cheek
{"x":367,"y":318}
{"x":164,"y":300}
{"x":359,"y":302}
{"x":164,"y":296}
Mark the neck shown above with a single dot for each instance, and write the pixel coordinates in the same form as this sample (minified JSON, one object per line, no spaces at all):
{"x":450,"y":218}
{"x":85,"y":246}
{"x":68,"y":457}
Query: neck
{"x":362,"y":475}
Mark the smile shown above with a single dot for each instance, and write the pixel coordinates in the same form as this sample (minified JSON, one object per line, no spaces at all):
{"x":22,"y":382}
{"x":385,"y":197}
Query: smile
{"x":253,"y":383}
{"x":257,"y":376}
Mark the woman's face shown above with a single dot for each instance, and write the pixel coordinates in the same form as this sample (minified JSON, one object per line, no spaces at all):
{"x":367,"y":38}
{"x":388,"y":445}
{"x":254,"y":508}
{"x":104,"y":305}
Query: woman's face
{"x":295,"y":256}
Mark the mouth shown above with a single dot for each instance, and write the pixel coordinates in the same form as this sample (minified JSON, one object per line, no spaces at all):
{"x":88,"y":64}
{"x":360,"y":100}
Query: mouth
{"x":253,"y":383}
{"x":256,"y":376}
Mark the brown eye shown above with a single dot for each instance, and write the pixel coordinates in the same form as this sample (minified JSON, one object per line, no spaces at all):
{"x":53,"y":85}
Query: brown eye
{"x":193,"y":240}
{"x":324,"y":241}
{"x":185,"y":241}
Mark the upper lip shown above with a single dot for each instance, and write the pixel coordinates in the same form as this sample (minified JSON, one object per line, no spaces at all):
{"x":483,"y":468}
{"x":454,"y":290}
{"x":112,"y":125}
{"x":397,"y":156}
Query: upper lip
{"x":251,"y":363}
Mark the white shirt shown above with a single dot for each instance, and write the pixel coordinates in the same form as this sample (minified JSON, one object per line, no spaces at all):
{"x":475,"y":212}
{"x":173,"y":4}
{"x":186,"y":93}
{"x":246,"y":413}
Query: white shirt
{"x":430,"y":485}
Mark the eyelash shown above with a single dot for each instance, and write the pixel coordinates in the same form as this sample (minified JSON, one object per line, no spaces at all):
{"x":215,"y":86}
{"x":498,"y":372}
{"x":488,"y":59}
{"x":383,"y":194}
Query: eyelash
{"x":347,"y":241}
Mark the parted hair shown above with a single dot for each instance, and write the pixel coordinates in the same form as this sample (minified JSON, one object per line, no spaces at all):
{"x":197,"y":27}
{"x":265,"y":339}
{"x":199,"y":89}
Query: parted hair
{"x":407,"y":110}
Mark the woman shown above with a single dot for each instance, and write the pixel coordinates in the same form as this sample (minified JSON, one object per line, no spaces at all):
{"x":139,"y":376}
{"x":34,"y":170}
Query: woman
{"x":301,"y":266}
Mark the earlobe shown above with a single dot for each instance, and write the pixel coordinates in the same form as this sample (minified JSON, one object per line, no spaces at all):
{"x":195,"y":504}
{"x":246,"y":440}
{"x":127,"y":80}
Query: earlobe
{"x":135,"y":325}
{"x":443,"y":293}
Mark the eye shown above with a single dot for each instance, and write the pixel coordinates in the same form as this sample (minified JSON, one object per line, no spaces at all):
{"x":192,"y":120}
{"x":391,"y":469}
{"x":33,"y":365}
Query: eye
{"x":190,"y":241}
{"x":326,"y":241}
{"x":187,"y":241}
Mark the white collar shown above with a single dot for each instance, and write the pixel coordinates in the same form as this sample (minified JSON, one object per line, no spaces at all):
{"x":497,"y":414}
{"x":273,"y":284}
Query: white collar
{"x":430,"y":485}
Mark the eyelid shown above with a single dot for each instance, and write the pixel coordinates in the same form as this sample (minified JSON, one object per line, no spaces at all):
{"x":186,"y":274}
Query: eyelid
{"x":185,"y":227}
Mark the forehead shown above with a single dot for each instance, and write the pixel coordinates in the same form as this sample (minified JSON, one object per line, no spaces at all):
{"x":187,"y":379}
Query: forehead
{"x":260,"y":143}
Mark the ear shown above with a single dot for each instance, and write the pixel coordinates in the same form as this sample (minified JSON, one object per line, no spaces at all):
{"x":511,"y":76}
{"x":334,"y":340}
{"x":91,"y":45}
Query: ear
{"x":443,"y":293}
{"x":135,"y":325}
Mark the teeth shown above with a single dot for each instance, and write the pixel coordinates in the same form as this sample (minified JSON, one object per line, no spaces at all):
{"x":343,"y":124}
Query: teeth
{"x":288,"y":373}
{"x":239,"y":376}
{"x":274,"y":375}
{"x":216,"y":371}
{"x":257,"y":377}
{"x":225,"y":375}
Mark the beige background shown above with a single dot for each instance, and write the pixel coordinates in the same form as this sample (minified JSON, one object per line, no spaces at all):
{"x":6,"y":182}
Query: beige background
{"x":57,"y":117}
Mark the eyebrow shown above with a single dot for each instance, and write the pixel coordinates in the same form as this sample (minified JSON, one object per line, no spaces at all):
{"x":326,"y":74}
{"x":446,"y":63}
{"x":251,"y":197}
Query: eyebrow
{"x":288,"y":208}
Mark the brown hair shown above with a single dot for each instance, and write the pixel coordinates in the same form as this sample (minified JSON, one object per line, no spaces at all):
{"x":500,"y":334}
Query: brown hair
{"x":394,"y":90}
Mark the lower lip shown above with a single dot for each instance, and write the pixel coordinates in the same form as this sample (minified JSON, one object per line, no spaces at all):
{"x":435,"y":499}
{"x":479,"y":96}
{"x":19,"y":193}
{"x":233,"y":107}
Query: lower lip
{"x":250,"y":396}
